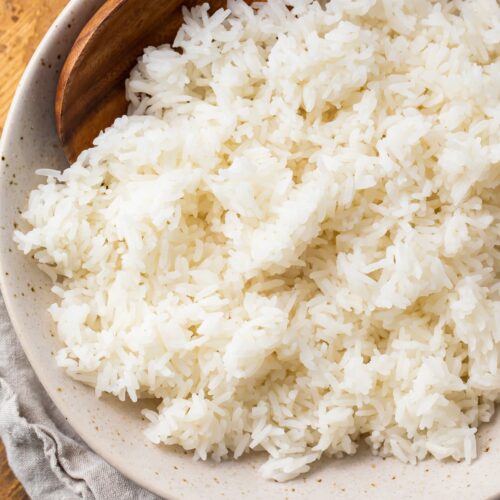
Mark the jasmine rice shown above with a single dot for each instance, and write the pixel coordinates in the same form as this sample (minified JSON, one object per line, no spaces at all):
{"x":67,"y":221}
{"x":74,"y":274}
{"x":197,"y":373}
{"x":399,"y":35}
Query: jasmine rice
{"x":292,"y":238}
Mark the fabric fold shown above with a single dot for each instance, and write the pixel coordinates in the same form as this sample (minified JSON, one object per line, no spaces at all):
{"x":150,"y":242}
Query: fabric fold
{"x":44,"y":452}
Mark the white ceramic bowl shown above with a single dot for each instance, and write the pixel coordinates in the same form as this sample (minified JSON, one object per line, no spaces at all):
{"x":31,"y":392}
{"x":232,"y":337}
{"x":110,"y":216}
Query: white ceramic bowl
{"x":29,"y":141}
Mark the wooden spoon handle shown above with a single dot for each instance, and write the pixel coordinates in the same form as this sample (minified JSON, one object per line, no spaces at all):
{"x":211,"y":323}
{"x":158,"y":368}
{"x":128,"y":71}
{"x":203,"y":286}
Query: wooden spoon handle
{"x":91,"y":91}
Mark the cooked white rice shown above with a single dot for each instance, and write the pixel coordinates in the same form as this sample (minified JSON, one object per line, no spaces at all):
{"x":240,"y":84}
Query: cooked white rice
{"x":292,"y":240}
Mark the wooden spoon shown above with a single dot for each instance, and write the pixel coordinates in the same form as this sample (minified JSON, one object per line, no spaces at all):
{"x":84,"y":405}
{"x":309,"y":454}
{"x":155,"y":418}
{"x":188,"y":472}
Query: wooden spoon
{"x":91,"y":90}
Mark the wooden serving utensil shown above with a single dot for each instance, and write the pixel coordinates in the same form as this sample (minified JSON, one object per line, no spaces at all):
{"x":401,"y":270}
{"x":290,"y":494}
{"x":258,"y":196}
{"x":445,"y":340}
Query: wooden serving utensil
{"x":91,"y":90}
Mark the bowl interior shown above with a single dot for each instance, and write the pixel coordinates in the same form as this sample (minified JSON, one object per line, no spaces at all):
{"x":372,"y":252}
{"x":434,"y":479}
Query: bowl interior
{"x":30,"y":142}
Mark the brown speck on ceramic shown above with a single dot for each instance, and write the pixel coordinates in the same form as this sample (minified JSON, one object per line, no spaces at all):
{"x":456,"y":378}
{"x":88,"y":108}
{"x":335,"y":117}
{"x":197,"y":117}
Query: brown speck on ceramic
{"x":487,"y":449}
{"x":373,"y":485}
{"x":59,"y":389}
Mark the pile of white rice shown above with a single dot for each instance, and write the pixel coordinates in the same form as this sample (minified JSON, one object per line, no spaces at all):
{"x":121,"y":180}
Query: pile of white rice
{"x":292,"y":239}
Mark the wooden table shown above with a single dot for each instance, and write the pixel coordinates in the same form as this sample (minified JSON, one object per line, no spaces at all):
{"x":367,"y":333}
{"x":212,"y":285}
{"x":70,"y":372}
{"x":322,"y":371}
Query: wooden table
{"x":22,"y":25}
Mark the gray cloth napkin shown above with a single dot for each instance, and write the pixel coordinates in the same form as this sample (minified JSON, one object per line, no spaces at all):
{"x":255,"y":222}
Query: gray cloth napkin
{"x":46,"y":455}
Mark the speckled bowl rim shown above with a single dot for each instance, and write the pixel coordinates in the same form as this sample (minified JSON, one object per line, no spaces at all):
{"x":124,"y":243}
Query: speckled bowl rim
{"x":92,"y":441}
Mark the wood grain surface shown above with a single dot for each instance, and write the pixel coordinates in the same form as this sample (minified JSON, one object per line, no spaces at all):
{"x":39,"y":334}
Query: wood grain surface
{"x":22,"y":25}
